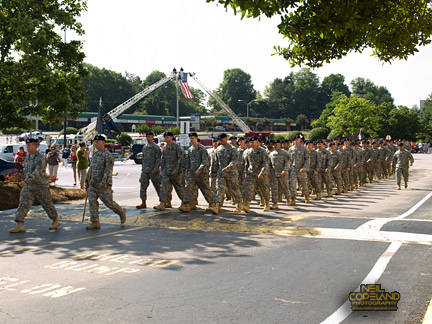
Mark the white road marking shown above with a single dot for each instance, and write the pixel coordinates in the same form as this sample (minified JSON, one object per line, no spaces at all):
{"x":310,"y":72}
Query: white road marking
{"x":374,"y":226}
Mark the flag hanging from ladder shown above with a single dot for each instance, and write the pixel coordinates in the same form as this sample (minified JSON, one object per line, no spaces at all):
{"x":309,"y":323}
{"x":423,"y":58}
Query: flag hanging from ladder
{"x":105,"y":124}
{"x":185,"y":87}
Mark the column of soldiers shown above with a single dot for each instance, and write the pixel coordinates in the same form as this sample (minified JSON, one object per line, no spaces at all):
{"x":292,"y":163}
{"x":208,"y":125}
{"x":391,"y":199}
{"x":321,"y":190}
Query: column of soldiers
{"x":243,"y":169}
{"x":240,"y":170}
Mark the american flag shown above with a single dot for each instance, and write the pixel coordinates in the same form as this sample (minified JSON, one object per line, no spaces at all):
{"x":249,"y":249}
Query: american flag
{"x":185,"y":87}
{"x":359,"y":137}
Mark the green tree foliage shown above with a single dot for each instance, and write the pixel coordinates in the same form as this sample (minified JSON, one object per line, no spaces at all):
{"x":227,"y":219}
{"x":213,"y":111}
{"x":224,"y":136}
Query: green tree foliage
{"x":334,"y":83}
{"x":142,"y":129}
{"x":157,"y":129}
{"x":124,"y":139}
{"x":425,"y":118}
{"x":298,"y":93}
{"x":175,"y":130}
{"x":112,"y":87}
{"x":69,"y":131}
{"x":319,"y":31}
{"x":317,"y":133}
{"x":291,"y":134}
{"x":403,"y":123}
{"x":37,"y":63}
{"x":366,"y":89}
{"x":352,"y":114}
{"x":251,"y":122}
{"x":209,"y":122}
{"x":236,"y":85}
{"x":302,"y":121}
{"x":322,"y":120}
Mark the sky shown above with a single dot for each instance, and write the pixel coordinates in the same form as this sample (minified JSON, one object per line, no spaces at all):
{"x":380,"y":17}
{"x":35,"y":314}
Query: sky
{"x":141,"y":36}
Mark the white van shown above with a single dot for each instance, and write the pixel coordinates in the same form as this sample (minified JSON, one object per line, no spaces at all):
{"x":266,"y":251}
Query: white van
{"x":8,"y":151}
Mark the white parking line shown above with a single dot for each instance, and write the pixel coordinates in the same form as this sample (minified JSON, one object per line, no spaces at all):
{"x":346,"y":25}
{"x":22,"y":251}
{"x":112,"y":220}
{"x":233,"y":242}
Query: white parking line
{"x":375,"y":225}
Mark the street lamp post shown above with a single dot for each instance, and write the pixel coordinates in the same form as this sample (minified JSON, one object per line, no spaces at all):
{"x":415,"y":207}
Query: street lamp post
{"x":247,"y":106}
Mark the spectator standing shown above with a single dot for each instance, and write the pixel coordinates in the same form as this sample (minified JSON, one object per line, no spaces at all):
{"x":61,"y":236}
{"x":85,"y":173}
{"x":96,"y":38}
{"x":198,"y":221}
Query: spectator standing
{"x":20,"y":156}
{"x":53,"y":161}
{"x":73,"y":159}
{"x":82,"y":162}
{"x":65,"y":156}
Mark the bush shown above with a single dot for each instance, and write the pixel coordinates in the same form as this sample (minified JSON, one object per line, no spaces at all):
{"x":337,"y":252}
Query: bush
{"x":13,"y":131}
{"x":279,"y":137}
{"x":124,"y":139}
{"x":317,"y":133}
{"x":291,"y":134}
{"x":157,"y":129}
{"x":69,"y":131}
{"x":143,"y":129}
{"x":174,"y":130}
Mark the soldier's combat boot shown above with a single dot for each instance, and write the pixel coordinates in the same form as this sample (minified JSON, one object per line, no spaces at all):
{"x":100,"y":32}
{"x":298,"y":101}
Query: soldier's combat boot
{"x":246,"y":206}
{"x":339,"y":191}
{"x":313,"y":192}
{"x":398,"y":186}
{"x":193,"y":204}
{"x":406,"y":185}
{"x":143,"y":205}
{"x":168,"y":204}
{"x":215,"y":209}
{"x":185,"y":208}
{"x":239,"y":208}
{"x":329,"y":193}
{"x":18,"y":229}
{"x":293,"y":202}
{"x":266,"y":206}
{"x":288,"y":203}
{"x":123,"y":216}
{"x":307,"y":201}
{"x":261,"y":202}
{"x":280,"y":198}
{"x":209,"y":207}
{"x":274,"y":206}
{"x":161,"y":206}
{"x":55,"y":224}
{"x":318,"y":196}
{"x":93,"y":225}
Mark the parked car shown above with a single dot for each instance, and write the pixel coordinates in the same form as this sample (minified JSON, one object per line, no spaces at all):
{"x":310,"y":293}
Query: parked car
{"x":135,"y":149}
{"x":35,"y":134}
{"x":7,"y":168}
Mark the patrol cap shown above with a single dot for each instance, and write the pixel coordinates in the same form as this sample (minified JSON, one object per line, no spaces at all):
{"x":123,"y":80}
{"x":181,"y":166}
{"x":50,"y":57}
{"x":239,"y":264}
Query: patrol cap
{"x":332,"y":144}
{"x":240,"y":139}
{"x":401,"y":144}
{"x":220,"y":136}
{"x":373,"y":143}
{"x":341,"y":143}
{"x":168,"y":134}
{"x":308,"y":142}
{"x":149,"y":133}
{"x":319,"y":142}
{"x":32,"y":140}
{"x":99,"y":138}
{"x":193,"y":134}
{"x":233,"y":137}
{"x":278,"y":141}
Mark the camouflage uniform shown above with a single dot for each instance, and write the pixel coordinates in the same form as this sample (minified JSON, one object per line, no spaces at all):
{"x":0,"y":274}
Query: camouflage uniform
{"x":256,"y":163}
{"x":212,"y":156}
{"x":197,"y":160}
{"x":314,"y":165}
{"x":279,"y":162}
{"x":172,"y":161}
{"x":37,"y":188}
{"x":101,"y":175}
{"x":299,"y":158}
{"x":387,"y":162}
{"x":358,"y":167}
{"x":377,"y":164}
{"x":401,"y":161}
{"x":151,"y":160}
{"x":325,"y":165}
{"x":336,"y":174}
{"x":381,"y":161}
{"x":226,"y":157}
{"x":344,"y":164}
{"x":368,"y":162}
{"x":351,"y":162}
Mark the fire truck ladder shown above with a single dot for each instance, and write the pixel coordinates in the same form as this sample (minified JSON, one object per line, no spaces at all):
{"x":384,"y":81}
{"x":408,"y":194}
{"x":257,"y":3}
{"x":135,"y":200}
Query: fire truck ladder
{"x":240,"y":123}
{"x":117,"y":111}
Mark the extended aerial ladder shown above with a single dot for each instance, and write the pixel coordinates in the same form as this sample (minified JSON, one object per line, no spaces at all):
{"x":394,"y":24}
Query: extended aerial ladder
{"x":89,"y":130}
{"x":236,"y":119}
